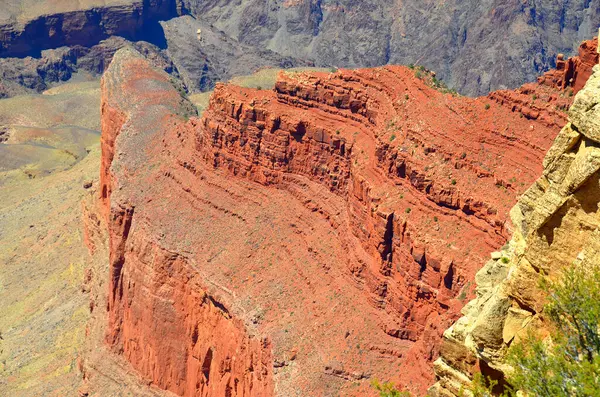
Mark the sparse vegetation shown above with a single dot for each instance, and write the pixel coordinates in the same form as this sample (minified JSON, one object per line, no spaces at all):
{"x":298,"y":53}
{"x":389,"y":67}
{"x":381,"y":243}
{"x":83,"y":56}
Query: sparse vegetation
{"x":453,"y":181}
{"x":567,"y":362}
{"x":387,"y":389}
{"x":487,"y":106}
{"x":408,"y":210}
{"x":465,"y":291}
{"x":392,"y":137}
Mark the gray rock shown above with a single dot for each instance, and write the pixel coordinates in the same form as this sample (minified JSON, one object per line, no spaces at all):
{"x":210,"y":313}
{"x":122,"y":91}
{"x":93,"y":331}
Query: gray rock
{"x":203,"y":59}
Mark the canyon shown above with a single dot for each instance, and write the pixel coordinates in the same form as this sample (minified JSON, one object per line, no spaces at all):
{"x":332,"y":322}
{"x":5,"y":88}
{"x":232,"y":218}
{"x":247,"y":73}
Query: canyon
{"x":303,"y":240}
{"x":475,"y":47}
{"x":304,"y":234}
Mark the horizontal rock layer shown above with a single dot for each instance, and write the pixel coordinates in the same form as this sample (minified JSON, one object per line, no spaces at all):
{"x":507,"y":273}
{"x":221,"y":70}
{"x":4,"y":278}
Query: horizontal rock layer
{"x":87,"y":26}
{"x":377,"y":197}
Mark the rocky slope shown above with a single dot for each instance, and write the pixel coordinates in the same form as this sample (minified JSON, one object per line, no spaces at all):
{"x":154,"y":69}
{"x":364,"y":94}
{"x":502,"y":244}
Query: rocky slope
{"x":42,"y":45}
{"x":556,"y":224}
{"x":475,"y":46}
{"x":341,"y":214}
{"x":44,"y":171}
{"x":210,"y":56}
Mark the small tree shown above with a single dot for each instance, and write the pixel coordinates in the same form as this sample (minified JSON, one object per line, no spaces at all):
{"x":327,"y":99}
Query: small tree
{"x":387,"y":389}
{"x":568,"y":362}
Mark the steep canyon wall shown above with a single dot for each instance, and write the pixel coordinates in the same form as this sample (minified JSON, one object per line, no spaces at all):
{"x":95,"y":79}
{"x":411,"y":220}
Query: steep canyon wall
{"x":340,"y":213}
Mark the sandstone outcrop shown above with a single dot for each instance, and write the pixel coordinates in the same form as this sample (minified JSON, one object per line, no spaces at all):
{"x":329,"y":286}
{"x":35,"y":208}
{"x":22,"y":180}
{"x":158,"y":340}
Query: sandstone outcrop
{"x":304,"y":239}
{"x":556,"y":224}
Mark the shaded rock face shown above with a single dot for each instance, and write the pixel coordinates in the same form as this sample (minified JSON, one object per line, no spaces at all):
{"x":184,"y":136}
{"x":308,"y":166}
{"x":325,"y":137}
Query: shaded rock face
{"x":134,"y":20}
{"x":304,"y":239}
{"x":25,"y":75}
{"x":475,"y":46}
{"x":204,"y":55}
{"x":556,"y":224}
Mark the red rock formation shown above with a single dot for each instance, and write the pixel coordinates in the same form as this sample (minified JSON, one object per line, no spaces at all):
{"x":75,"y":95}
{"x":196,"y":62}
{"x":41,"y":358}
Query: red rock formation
{"x":427,"y":178}
{"x":377,"y":198}
{"x":575,"y":71}
{"x":549,"y":98}
{"x":160,"y":317}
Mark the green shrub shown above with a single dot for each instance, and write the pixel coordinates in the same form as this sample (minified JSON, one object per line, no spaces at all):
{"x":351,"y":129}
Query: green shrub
{"x":387,"y":389}
{"x":567,"y":363}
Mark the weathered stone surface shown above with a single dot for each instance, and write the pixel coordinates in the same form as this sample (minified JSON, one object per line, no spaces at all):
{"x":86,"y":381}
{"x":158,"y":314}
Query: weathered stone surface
{"x":211,"y":56}
{"x":557,"y":224}
{"x":375,"y":191}
{"x":585,"y":112}
{"x":575,"y":71}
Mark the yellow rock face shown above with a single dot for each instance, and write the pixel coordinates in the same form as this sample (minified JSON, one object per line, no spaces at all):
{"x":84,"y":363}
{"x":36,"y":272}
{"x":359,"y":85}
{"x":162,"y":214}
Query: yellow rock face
{"x":556,"y":224}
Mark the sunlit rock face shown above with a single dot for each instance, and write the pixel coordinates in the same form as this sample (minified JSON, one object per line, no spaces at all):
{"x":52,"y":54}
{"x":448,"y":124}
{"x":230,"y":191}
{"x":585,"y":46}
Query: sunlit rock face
{"x":556,"y":224}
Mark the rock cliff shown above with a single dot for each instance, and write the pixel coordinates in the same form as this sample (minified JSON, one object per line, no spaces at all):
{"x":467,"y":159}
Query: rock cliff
{"x":303,"y":239}
{"x":72,"y":24}
{"x":475,"y":46}
{"x":556,"y":224}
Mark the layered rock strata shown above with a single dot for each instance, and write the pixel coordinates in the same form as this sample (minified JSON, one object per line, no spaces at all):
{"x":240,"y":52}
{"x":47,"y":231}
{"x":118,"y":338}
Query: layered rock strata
{"x":549,"y":98}
{"x":575,"y":71}
{"x":377,"y":196}
{"x":556,"y":224}
{"x":72,"y":24}
{"x":475,"y":46}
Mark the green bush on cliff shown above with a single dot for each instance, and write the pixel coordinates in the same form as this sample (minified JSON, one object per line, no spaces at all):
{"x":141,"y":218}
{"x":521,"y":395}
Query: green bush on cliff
{"x":567,"y":363}
{"x":387,"y":389}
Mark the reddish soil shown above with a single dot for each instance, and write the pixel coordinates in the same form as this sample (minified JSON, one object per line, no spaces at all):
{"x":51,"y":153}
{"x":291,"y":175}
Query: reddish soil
{"x":308,"y":239}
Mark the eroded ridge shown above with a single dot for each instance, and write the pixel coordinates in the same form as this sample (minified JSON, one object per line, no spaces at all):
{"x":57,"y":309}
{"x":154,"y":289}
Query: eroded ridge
{"x":304,"y":239}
